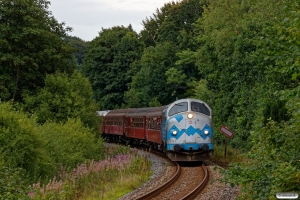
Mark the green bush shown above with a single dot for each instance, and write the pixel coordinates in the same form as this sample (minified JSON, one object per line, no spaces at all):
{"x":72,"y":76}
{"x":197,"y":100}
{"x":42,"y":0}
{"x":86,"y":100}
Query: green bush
{"x":40,"y":149}
{"x":64,"y":97}
{"x":12,"y":184}
{"x":21,"y":145}
{"x":273,"y":165}
{"x":71,"y":143}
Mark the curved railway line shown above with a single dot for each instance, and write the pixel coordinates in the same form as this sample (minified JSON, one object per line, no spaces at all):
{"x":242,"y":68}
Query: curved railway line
{"x":174,"y":181}
{"x":185,"y":184}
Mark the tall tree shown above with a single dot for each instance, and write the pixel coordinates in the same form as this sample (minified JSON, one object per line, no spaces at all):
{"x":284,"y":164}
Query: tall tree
{"x":79,"y":47}
{"x":64,"y":97}
{"x":149,"y":35}
{"x":226,"y":37}
{"x":108,"y":64}
{"x":170,"y":21}
{"x":174,"y":23}
{"x":274,"y":163}
{"x":31,"y":46}
{"x":150,"y":82}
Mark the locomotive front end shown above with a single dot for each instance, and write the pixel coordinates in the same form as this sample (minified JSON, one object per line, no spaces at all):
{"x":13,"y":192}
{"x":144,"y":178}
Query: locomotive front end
{"x":188,"y":133}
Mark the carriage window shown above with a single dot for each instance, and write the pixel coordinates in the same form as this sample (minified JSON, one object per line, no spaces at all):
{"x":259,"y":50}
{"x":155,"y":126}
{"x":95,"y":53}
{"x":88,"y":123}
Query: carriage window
{"x":200,"y":107}
{"x":177,"y":108}
{"x":153,"y":123}
{"x":108,"y":121}
{"x":137,"y":122}
{"x":112,"y":121}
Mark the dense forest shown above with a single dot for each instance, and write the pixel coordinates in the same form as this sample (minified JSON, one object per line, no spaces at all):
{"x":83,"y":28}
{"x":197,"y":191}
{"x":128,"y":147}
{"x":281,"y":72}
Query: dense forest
{"x":240,"y":56}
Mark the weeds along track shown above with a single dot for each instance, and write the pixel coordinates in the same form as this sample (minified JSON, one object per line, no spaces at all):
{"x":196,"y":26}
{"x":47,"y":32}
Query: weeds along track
{"x":167,"y":184}
{"x":172,"y":180}
{"x":186,"y":183}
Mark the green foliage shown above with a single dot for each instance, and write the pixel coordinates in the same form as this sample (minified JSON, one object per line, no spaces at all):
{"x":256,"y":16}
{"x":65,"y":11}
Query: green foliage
{"x":64,"y":97}
{"x":39,"y":150}
{"x":274,"y":161}
{"x":101,"y":180}
{"x":111,"y":151}
{"x":133,"y":98}
{"x":70,"y":143}
{"x":201,"y":91}
{"x":108,"y":64}
{"x":170,"y":26}
{"x":80,"y":48}
{"x":21,"y":145}
{"x":149,"y":35}
{"x":224,"y":48}
{"x":169,"y":22}
{"x":151,"y":81}
{"x":154,"y":102}
{"x":233,"y":155}
{"x":31,"y":46}
{"x":12,"y":184}
{"x":178,"y":79}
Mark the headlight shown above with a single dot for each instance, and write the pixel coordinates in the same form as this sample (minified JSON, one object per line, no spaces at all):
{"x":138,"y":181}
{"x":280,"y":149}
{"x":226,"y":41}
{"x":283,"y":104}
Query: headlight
{"x":174,"y":132}
{"x":206,"y":132}
{"x":190,"y":116}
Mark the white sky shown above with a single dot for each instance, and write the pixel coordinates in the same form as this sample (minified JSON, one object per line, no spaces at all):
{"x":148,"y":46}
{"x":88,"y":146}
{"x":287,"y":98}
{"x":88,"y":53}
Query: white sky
{"x":87,"y":17}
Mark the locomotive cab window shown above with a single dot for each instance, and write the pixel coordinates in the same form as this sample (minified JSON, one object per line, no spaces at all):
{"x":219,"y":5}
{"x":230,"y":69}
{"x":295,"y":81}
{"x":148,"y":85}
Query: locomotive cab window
{"x":179,"y":107}
{"x":200,"y":107}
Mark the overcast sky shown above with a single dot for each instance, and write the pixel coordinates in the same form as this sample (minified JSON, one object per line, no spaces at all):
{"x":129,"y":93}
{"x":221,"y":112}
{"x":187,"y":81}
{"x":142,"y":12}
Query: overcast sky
{"x":87,"y":17}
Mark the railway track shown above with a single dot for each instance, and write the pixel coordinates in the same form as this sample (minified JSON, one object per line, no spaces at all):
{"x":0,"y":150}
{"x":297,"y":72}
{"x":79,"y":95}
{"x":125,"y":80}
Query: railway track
{"x":166,"y":185}
{"x":186,"y":183}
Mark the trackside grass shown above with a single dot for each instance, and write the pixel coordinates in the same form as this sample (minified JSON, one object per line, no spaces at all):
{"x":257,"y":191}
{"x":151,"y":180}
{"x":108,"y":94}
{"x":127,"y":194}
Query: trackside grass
{"x":121,"y":172}
{"x":232,"y":155}
{"x":117,"y":188}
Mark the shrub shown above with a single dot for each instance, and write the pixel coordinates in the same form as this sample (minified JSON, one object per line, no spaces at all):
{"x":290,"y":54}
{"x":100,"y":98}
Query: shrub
{"x":71,"y":143}
{"x":21,"y":146}
{"x":64,"y":97}
{"x":12,"y":184}
{"x":99,"y":177}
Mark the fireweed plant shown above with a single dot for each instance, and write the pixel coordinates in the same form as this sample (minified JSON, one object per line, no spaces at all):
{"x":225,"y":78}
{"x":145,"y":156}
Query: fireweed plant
{"x":95,"y":177}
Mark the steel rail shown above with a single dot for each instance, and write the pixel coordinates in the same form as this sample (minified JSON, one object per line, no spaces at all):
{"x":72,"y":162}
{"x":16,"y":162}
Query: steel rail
{"x":200,"y":187}
{"x":157,"y":191}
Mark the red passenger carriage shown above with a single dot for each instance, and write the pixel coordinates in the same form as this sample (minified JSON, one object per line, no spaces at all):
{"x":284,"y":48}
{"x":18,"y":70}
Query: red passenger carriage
{"x":139,"y":124}
{"x":115,"y":123}
{"x":153,"y":131}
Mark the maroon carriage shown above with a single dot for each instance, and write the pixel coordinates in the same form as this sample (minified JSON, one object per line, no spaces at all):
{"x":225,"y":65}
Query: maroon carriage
{"x":136,"y":123}
{"x":129,"y":123}
{"x":145,"y":125}
{"x":153,"y":125}
{"x":114,"y":124}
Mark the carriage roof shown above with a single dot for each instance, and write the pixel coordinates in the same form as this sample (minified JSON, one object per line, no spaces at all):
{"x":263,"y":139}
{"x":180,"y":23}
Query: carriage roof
{"x":134,"y":112}
{"x":148,"y":112}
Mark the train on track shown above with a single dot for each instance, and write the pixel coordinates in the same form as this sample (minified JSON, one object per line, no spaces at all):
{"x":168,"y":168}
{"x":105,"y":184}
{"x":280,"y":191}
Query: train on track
{"x":182,"y":129}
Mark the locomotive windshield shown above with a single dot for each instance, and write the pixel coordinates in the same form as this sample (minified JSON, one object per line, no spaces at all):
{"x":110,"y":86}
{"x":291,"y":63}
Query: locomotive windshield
{"x":200,"y":107}
{"x":179,"y":107}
